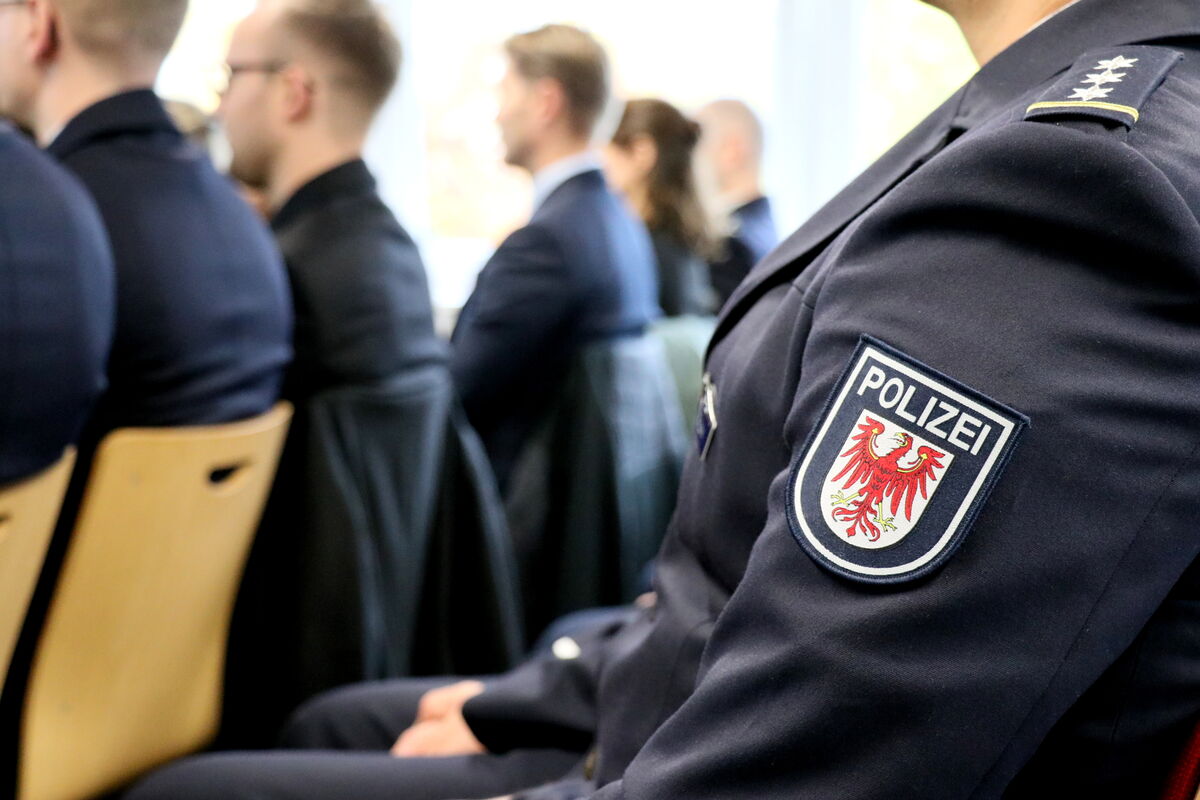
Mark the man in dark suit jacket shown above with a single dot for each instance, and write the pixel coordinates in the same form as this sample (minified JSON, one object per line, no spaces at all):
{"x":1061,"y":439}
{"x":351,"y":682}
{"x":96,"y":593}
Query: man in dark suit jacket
{"x":363,"y":312}
{"x":729,"y":162}
{"x":203,"y":317}
{"x":305,"y":83}
{"x":582,"y":269}
{"x":57,"y":300}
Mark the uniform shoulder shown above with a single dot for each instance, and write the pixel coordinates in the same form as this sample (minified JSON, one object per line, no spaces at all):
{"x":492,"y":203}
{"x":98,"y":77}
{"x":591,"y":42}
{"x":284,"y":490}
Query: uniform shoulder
{"x":1113,"y":85}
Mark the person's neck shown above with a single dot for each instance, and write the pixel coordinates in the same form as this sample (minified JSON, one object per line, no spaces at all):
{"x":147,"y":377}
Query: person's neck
{"x":638,"y":198}
{"x":69,"y":88}
{"x":554,"y":150}
{"x":301,"y":163}
{"x":990,"y":26}
{"x":740,"y":189}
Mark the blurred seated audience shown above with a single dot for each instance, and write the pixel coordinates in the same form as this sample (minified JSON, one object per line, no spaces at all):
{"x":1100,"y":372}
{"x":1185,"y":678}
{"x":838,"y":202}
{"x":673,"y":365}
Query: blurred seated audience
{"x":581,"y":270}
{"x":56,"y":288}
{"x":649,"y":161}
{"x":729,"y":162}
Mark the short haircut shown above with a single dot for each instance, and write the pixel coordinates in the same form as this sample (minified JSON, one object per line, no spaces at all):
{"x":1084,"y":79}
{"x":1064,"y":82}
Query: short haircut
{"x":114,"y":29}
{"x":732,"y":116}
{"x":357,"y":39}
{"x":575,"y":60}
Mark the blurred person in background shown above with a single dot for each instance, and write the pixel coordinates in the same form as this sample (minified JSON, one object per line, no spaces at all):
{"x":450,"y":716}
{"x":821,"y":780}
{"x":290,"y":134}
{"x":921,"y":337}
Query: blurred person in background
{"x":581,"y":270}
{"x":649,"y":161}
{"x":203,"y":316}
{"x":56,"y":282}
{"x":306,"y":79}
{"x":729,"y":163}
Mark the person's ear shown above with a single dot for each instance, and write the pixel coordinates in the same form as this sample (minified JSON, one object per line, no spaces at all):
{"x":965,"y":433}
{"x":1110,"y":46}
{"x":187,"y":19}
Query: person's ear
{"x":549,"y":100}
{"x":644,"y":154}
{"x":45,"y":31}
{"x":299,"y":90}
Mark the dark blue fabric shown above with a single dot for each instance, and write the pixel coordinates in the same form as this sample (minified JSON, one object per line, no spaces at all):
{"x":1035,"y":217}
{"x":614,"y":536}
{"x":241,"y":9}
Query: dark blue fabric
{"x":56,"y":308}
{"x":753,"y":238}
{"x":203,"y":310}
{"x":1054,"y":266}
{"x":582,"y":269}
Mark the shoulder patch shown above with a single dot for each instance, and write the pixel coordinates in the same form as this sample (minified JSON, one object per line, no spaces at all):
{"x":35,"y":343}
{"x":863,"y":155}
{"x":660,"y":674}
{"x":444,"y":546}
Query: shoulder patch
{"x":897,"y":468}
{"x":1110,"y":84}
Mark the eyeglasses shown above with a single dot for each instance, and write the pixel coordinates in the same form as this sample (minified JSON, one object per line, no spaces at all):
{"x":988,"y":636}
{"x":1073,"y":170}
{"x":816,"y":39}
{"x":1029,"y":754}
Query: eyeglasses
{"x":229,"y":71}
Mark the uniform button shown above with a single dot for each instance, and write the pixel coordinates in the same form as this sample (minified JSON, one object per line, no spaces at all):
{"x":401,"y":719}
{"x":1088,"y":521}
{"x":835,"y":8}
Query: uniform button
{"x":566,"y":649}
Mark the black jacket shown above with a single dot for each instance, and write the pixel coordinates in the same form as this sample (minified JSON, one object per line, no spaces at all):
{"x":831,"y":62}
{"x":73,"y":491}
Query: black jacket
{"x":361,"y":297}
{"x":56,"y":308}
{"x":582,"y":269}
{"x":684,"y":287}
{"x":1040,"y":260}
{"x":594,"y":489}
{"x":352,"y":556}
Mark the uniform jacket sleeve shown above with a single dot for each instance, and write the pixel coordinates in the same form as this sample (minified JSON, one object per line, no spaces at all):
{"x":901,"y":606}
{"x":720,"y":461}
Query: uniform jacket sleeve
{"x":1055,"y":269}
{"x":547,"y":702}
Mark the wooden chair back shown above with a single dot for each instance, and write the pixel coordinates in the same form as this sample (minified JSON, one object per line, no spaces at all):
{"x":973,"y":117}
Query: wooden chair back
{"x":128,"y":670}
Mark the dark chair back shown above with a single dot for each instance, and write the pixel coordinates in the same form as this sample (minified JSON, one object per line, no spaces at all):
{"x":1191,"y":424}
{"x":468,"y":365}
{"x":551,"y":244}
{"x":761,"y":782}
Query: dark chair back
{"x":594,"y":490}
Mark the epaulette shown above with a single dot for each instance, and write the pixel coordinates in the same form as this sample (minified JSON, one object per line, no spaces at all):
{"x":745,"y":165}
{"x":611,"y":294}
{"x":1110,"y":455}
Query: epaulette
{"x":1110,"y":84}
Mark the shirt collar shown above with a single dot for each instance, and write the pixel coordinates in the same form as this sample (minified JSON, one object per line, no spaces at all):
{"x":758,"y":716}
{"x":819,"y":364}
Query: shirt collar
{"x":351,"y":179}
{"x":552,"y":176}
{"x":136,"y":111}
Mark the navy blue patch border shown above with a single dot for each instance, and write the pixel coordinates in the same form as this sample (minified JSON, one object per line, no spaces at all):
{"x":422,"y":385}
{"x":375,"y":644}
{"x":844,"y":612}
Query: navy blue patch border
{"x":1020,"y":421}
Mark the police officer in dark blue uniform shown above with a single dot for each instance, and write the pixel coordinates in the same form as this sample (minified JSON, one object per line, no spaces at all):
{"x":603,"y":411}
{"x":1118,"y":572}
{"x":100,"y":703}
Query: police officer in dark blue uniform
{"x":936,"y":539}
{"x":56,"y":292}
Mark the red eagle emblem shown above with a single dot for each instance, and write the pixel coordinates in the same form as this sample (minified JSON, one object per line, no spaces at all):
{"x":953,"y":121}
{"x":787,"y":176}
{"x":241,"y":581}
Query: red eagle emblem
{"x":898,"y":475}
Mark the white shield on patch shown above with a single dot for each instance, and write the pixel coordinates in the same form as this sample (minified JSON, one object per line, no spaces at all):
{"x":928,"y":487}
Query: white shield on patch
{"x":881,"y":483}
{"x":897,"y":467}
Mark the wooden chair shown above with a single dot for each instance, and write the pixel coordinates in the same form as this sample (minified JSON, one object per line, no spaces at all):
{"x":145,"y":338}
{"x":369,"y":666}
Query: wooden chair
{"x":128,"y":670}
{"x":28,"y":511}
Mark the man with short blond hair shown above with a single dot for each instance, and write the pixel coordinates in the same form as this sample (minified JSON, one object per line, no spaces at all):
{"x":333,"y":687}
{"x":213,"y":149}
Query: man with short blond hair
{"x":203,"y":315}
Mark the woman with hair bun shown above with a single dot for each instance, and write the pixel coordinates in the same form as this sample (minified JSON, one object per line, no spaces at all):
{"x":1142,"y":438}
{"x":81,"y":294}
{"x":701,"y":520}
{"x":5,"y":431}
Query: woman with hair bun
{"x":650,"y":161}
